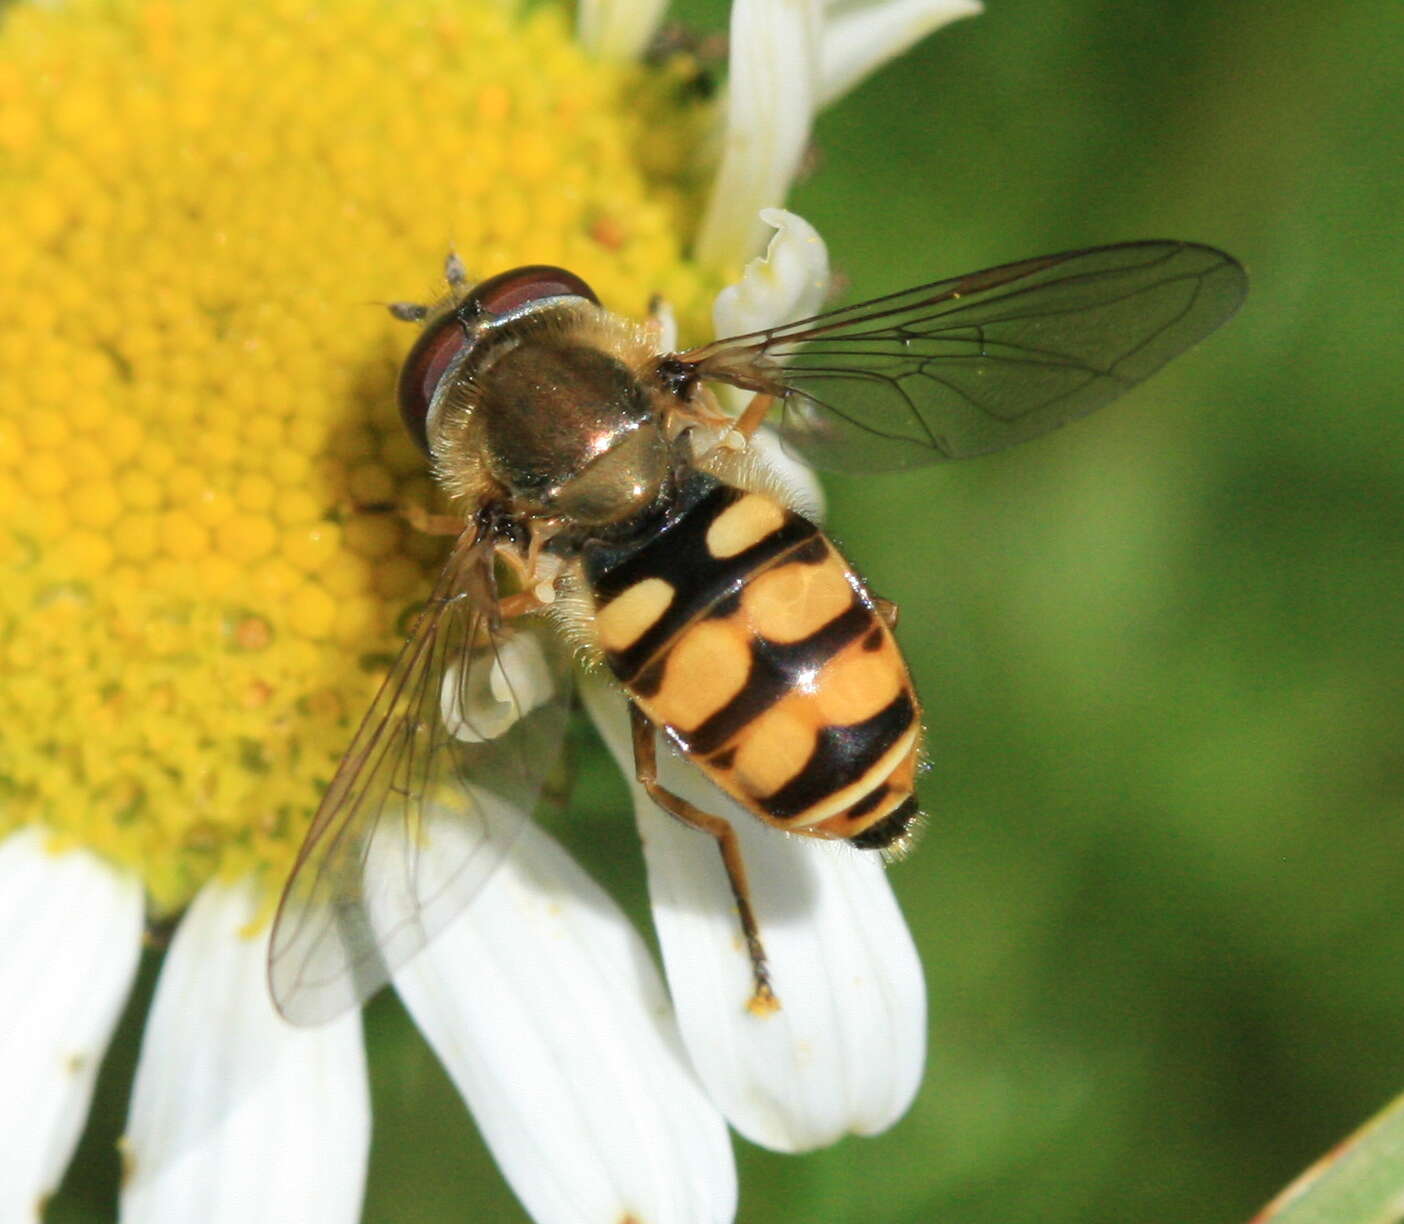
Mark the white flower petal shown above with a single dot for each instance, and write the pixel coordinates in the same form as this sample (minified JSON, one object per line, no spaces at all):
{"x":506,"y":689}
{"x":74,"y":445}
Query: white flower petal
{"x":618,"y":29}
{"x":236,"y":1116}
{"x":845,"y":1051}
{"x":543,"y":1005}
{"x":72,"y":940}
{"x":788,"y":282}
{"x":665,"y":324}
{"x":498,"y":696}
{"x":858,"y":38}
{"x":771,"y":100}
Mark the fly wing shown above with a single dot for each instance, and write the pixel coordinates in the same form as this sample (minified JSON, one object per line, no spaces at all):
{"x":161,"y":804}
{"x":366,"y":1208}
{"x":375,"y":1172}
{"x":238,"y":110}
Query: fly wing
{"x":966,"y":366}
{"x":430,"y":796}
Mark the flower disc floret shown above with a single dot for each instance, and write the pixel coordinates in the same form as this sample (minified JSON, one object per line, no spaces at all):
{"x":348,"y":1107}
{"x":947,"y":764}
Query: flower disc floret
{"x":200,"y":207}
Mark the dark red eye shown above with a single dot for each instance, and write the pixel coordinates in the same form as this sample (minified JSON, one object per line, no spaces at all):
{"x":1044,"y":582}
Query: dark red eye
{"x":507,"y":290}
{"x":437,"y":346}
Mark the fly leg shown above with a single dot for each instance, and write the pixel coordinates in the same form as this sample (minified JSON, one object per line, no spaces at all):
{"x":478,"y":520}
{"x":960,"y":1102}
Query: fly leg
{"x":419,"y":519}
{"x":755,"y":412}
{"x":763,"y":1001}
{"x":509,"y":607}
{"x":535,"y":577}
{"x":428,"y":523}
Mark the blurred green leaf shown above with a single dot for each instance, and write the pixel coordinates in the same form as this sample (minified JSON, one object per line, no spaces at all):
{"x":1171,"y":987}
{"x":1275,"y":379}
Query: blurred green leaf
{"x":1360,"y":1181}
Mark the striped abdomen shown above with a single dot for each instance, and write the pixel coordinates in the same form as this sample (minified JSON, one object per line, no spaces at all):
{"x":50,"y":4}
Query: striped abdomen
{"x":742,"y":631}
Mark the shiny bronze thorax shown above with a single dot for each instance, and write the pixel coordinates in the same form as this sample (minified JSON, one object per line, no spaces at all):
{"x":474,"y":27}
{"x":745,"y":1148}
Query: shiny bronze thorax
{"x":566,"y":429}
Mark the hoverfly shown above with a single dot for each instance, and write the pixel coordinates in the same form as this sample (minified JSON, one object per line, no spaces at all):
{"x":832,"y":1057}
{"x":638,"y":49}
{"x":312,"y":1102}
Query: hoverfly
{"x":608,"y":500}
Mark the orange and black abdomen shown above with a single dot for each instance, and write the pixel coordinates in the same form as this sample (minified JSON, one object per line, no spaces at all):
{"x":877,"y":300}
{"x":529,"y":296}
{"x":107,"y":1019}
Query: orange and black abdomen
{"x":741,"y":631}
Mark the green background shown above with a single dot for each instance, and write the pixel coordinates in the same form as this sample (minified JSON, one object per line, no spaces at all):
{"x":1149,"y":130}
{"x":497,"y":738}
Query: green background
{"x":1162,"y":652}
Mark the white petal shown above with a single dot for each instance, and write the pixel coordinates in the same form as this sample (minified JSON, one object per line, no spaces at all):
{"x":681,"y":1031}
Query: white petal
{"x":618,"y":29}
{"x":664,"y":324}
{"x":845,"y":1051}
{"x":497,"y":696}
{"x":788,"y":282}
{"x":236,"y":1116}
{"x":72,"y":929}
{"x":542,"y":1003}
{"x":860,"y":37}
{"x":772,"y":96}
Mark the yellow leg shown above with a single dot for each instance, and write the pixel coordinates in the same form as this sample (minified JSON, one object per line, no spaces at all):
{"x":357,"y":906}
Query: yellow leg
{"x":431,"y":524}
{"x":415,"y":515}
{"x":749,"y":421}
{"x":511,"y":606}
{"x":763,"y":1001}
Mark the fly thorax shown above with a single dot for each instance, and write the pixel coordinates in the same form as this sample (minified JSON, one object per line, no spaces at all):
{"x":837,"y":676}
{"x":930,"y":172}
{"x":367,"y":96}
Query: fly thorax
{"x":569,"y":430}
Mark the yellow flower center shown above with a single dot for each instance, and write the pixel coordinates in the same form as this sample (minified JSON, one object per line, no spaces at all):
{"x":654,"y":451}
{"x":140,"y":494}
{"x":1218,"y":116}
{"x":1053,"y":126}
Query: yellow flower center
{"x":200,"y":207}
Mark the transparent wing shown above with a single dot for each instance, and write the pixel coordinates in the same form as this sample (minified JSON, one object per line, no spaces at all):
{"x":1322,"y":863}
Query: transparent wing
{"x":966,"y":366}
{"x":440,"y":777}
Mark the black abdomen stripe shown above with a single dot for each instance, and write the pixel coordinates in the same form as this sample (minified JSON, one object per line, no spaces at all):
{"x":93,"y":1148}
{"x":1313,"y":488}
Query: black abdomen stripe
{"x":678,"y":555}
{"x":842,"y":756}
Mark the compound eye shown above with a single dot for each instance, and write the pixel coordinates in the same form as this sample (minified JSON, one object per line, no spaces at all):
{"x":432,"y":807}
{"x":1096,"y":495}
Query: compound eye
{"x":438,"y":344}
{"x":507,"y":291}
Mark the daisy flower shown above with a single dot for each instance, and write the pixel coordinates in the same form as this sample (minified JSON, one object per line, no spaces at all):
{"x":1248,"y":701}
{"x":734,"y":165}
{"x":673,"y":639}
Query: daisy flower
{"x":197,"y":204}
